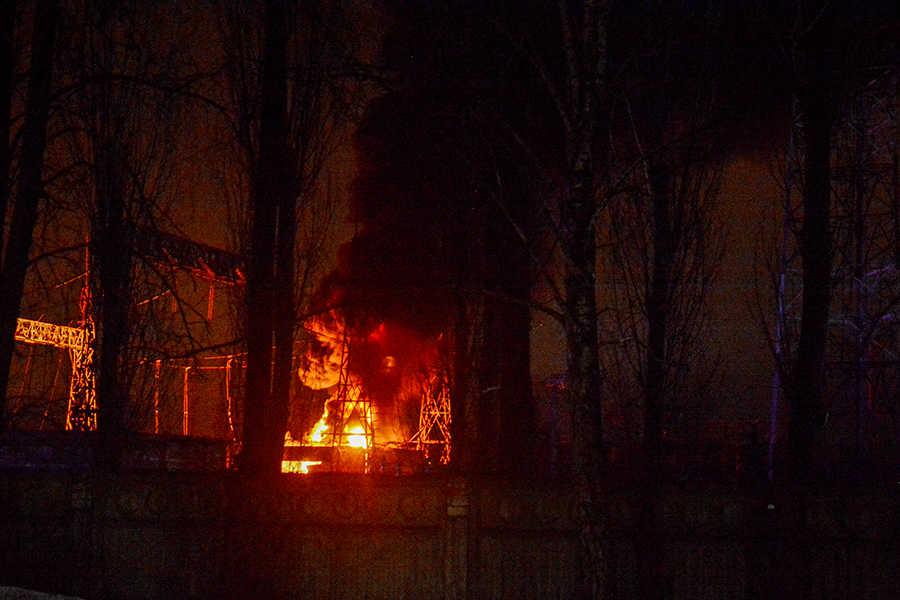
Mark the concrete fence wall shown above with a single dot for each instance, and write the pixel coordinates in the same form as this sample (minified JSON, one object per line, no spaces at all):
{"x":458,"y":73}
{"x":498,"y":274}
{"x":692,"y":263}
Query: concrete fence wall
{"x":164,"y":535}
{"x":148,"y":536}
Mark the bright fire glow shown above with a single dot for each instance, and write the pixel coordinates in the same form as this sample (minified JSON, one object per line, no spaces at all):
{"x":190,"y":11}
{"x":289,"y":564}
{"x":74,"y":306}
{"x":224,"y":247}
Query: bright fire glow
{"x":353,"y":433}
{"x":391,"y":360}
{"x":298,"y":466}
{"x":317,"y":435}
{"x":357,"y":438}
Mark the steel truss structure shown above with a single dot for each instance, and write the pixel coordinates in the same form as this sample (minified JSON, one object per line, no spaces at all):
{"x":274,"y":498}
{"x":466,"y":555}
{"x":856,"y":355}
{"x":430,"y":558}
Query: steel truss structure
{"x":353,"y":407}
{"x":434,"y":419}
{"x":81,"y":414}
{"x":163,"y":250}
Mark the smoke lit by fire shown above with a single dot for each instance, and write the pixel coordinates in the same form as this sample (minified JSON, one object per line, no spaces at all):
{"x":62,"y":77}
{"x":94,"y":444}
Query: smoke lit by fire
{"x":375,"y":376}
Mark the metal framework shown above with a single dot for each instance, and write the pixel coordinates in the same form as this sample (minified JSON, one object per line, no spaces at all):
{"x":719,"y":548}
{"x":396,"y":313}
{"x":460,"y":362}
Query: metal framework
{"x":79,"y":341}
{"x":353,"y":406}
{"x":164,"y":250}
{"x":201,"y":261}
{"x":434,"y":419}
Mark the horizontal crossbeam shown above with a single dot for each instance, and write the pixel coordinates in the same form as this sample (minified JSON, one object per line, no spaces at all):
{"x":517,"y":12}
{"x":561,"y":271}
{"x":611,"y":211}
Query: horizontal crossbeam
{"x":48,"y":334}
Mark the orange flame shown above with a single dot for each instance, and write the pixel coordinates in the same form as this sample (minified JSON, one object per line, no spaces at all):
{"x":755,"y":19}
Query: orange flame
{"x":354,"y":432}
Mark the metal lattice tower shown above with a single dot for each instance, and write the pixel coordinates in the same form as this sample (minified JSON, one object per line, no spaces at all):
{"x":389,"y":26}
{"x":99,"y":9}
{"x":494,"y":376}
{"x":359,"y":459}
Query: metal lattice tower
{"x":81,"y":414}
{"x":354,"y":411}
{"x":434,"y":419}
{"x":163,"y":250}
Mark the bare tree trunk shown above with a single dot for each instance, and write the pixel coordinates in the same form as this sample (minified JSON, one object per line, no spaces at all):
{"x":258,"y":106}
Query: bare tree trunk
{"x":111,"y":254}
{"x":7,"y":86}
{"x":265,"y":409}
{"x":649,"y":549}
{"x":29,"y":186}
{"x":658,"y":315}
{"x":586,"y":58}
{"x":584,"y":384}
{"x":112,"y":233}
{"x":469,"y":346}
{"x":806,"y":386}
{"x":467,"y":335}
{"x":290,"y":97}
{"x":583,"y":376}
{"x":284,"y":317}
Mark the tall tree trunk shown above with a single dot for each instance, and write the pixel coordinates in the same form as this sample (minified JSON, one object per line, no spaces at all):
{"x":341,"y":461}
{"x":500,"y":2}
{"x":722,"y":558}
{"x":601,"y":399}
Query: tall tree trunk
{"x":650,"y":547}
{"x":111,"y":256}
{"x":111,"y":242}
{"x":586,"y":60}
{"x":807,"y":381}
{"x":659,"y":295}
{"x":583,"y":375}
{"x":468,"y":335}
{"x":468,"y":348}
{"x":7,"y":86}
{"x":29,"y":190}
{"x":283,"y":319}
{"x":265,"y":413}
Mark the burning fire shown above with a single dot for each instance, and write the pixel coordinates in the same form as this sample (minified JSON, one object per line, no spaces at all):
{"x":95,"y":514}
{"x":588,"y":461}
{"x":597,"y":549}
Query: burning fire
{"x":296,"y":466}
{"x":346,"y":422}
{"x":381,"y":384}
{"x":317,"y":435}
{"x":356,"y":438}
{"x":354,"y":421}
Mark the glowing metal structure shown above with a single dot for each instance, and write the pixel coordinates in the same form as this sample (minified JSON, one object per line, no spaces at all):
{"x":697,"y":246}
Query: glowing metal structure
{"x":353,"y":427}
{"x":434,"y":419}
{"x":203,"y":262}
{"x":79,"y":341}
{"x":163,"y":250}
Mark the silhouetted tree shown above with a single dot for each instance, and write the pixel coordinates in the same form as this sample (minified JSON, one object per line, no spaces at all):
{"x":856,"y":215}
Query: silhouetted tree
{"x":289,"y":66}
{"x":824,"y":50}
{"x":118,"y":107}
{"x":662,"y":244}
{"x":18,"y":226}
{"x":570,"y":61}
